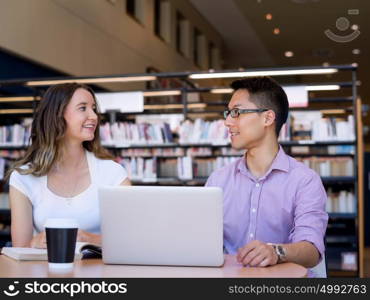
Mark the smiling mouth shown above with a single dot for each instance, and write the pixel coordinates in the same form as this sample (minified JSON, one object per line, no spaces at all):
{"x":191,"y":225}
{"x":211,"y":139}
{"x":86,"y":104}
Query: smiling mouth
{"x":89,"y":126}
{"x":234,"y":133}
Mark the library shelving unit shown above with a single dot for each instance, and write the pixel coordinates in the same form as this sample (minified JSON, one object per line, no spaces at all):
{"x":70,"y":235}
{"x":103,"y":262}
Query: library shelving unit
{"x":345,"y":236}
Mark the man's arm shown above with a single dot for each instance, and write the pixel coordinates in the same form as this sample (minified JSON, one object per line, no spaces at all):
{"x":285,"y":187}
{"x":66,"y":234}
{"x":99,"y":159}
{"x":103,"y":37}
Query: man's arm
{"x":303,"y":253}
{"x":307,"y":236}
{"x":259,"y":254}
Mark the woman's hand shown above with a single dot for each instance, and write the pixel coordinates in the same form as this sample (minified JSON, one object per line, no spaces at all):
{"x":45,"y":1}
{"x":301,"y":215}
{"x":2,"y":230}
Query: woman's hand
{"x":87,"y":237}
{"x":39,"y":240}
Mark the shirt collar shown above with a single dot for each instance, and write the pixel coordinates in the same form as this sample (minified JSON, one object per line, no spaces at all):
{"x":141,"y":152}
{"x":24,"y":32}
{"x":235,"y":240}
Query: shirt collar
{"x":281,"y":162}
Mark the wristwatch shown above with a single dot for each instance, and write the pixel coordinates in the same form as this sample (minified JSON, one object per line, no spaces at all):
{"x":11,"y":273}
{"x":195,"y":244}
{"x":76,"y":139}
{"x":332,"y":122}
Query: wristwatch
{"x":280,"y":252}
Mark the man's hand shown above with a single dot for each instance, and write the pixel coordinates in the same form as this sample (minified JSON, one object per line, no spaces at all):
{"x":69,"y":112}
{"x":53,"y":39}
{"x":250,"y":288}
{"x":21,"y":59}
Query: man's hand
{"x":257,"y":254}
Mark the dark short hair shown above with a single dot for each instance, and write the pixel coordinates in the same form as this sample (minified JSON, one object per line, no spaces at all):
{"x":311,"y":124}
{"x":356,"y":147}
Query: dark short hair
{"x":265,"y":92}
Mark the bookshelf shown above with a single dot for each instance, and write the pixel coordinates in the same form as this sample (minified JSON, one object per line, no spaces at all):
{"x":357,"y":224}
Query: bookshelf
{"x":165,"y":153}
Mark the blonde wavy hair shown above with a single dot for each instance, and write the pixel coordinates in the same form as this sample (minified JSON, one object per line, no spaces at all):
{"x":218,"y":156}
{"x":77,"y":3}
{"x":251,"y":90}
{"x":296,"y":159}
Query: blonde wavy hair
{"x":48,"y":130}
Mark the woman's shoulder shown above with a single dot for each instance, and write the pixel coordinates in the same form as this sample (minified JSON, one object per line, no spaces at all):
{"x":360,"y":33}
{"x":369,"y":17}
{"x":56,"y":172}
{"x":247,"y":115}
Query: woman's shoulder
{"x":26,"y":183}
{"x":110,"y":172}
{"x":106,"y":164}
{"x":19,"y":174}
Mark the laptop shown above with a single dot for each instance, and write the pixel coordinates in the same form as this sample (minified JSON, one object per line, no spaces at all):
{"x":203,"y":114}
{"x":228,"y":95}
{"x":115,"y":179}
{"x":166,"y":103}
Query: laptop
{"x":162,"y":225}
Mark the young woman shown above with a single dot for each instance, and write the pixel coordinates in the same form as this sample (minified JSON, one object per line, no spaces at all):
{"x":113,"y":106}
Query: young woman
{"x":62,"y":169}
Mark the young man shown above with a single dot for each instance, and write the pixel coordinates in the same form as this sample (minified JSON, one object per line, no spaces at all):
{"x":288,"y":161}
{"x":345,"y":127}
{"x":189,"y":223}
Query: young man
{"x":274,"y":206}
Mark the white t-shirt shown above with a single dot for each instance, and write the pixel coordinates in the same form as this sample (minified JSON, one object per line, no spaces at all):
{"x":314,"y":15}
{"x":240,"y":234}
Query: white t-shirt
{"x":84,"y":207}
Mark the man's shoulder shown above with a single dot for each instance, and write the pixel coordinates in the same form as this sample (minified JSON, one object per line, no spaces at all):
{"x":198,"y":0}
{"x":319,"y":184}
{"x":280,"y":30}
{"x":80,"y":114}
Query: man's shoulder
{"x":300,"y":170}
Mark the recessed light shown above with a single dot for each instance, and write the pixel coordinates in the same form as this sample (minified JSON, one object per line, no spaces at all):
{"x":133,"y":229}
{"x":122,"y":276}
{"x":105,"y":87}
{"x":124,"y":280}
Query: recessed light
{"x":268,"y":17}
{"x":289,"y":54}
{"x":342,"y":23}
{"x":355,"y":27}
{"x":325,"y":64}
{"x":276,"y":30}
{"x":356,"y":51}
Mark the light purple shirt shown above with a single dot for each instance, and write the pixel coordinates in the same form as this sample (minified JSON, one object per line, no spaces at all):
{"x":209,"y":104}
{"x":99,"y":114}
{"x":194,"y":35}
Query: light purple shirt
{"x":286,"y":205}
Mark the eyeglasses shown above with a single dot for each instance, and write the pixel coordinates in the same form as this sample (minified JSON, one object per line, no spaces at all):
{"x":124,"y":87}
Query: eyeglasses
{"x":235,"y":112}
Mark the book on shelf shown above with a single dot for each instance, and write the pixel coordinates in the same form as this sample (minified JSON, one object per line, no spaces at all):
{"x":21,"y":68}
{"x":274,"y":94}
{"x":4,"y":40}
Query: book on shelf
{"x":16,"y":135}
{"x":231,"y":151}
{"x":185,"y":168}
{"x":330,"y":166}
{"x":168,"y":168}
{"x":330,"y":150}
{"x":198,"y":151}
{"x":173,"y":120}
{"x":193,"y":165}
{"x":139,"y":168}
{"x":124,"y":134}
{"x":341,"y":202}
{"x":83,"y":250}
{"x":151,"y":152}
{"x":7,"y":157}
{"x":204,"y":132}
{"x":12,"y":154}
{"x":2,"y":168}
{"x":285,"y":131}
{"x":313,"y":126}
{"x":205,"y":167}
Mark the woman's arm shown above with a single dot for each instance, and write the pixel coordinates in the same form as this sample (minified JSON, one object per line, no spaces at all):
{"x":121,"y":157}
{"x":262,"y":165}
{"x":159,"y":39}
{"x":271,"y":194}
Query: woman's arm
{"x":21,"y":218}
{"x":87,"y":237}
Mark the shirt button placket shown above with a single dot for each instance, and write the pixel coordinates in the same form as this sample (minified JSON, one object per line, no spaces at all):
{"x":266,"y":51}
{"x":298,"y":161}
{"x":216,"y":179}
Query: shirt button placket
{"x":253,"y":213}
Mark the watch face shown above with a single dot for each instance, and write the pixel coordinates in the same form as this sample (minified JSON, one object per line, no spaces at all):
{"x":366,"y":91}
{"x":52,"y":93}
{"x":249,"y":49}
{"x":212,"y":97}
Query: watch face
{"x":281,"y":250}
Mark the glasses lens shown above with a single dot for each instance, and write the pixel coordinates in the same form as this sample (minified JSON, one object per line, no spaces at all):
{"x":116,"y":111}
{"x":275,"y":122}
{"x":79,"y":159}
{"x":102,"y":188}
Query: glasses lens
{"x":234,"y":113}
{"x":226,"y":113}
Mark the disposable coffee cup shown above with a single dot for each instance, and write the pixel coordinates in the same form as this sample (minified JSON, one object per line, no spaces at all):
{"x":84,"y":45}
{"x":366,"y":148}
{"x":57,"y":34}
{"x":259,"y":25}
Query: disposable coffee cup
{"x":61,"y":235}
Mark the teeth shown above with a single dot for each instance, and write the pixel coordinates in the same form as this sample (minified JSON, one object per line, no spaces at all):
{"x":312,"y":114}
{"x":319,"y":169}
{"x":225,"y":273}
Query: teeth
{"x":88,"y":126}
{"x":234,"y":133}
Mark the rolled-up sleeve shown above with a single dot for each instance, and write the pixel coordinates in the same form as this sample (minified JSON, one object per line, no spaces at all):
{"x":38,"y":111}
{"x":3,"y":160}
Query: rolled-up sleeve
{"x":310,"y":217}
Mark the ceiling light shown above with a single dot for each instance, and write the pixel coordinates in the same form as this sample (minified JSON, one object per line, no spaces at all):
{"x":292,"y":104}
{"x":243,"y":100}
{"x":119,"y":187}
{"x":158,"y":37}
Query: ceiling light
{"x":221,"y":91}
{"x":161,"y":93}
{"x":263,"y":73}
{"x":19,"y":99}
{"x":355,"y":27}
{"x":268,"y":17}
{"x":356,"y":51}
{"x":173,"y":106}
{"x":342,"y":23}
{"x":289,"y":54}
{"x":333,"y":111}
{"x":276,"y":31}
{"x":325,"y":64}
{"x":91,"y":80}
{"x":16,"y":111}
{"x":330,"y":87}
{"x":197,"y":105}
